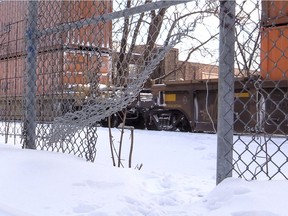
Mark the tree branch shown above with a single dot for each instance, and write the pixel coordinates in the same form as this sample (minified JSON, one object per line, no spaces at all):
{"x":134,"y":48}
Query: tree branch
{"x":187,"y":58}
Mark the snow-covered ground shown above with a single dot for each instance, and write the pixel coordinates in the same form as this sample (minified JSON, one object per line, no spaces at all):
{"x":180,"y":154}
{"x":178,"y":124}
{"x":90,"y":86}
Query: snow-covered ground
{"x":177,"y":178}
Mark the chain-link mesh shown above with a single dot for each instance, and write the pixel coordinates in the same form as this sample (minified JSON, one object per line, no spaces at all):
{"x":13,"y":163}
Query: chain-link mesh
{"x":70,"y":64}
{"x":260,"y":101}
{"x":98,"y":71}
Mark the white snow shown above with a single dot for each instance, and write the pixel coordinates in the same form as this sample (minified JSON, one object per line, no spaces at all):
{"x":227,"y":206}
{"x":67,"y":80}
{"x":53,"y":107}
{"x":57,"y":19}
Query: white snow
{"x":177,"y":179}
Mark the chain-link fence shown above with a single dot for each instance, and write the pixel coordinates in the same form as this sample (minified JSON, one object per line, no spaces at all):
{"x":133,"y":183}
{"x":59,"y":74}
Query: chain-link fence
{"x":255,"y":32}
{"x":66,"y":67}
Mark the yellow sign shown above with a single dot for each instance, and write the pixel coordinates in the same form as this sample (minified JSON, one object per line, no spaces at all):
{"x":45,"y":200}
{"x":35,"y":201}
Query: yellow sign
{"x":170,"y":97}
{"x":242,"y":95}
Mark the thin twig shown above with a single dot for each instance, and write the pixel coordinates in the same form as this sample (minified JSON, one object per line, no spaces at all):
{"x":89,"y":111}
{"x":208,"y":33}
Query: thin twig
{"x":111,"y":141}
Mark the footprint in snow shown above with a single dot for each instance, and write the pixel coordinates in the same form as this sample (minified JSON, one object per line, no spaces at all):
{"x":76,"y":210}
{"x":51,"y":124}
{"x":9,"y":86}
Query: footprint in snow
{"x":254,"y":213}
{"x":84,"y":208}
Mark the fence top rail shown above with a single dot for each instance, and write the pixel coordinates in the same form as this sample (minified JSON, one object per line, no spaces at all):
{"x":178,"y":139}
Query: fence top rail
{"x":110,"y":16}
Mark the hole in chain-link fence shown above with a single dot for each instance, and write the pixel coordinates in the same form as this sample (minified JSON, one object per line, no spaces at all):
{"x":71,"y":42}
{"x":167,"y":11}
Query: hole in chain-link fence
{"x":75,"y":63}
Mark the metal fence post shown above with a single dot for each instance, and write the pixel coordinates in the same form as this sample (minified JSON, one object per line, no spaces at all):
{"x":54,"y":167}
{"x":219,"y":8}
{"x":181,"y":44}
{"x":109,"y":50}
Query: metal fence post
{"x":225,"y":91}
{"x":31,"y":77}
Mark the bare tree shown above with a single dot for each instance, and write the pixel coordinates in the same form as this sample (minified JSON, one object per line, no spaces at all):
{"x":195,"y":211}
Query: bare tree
{"x":159,"y":26}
